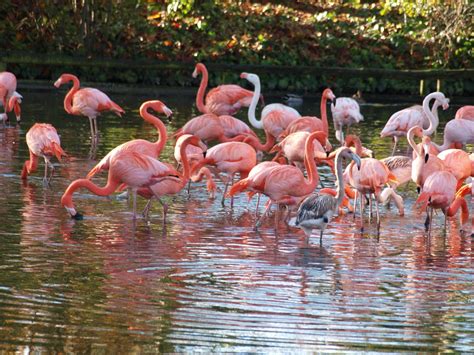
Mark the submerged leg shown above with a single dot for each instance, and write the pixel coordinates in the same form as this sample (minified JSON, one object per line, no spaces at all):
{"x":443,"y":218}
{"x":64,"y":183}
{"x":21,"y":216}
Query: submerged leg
{"x":134,"y":203}
{"x":259,"y":221}
{"x":361,"y":212}
{"x":146,"y":210}
{"x":321,"y":237}
{"x":165,"y":209}
{"x":377,"y":212}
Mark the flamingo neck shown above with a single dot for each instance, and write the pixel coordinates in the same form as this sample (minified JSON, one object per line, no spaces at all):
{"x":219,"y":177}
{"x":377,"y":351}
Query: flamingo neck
{"x":434,"y":122}
{"x":71,"y":93}
{"x":454,"y":207}
{"x":339,"y":181}
{"x":255,"y":142}
{"x":412,"y":143}
{"x":253,"y":106}
{"x":108,"y":189}
{"x":185,"y":162}
{"x":310,"y":163}
{"x":352,"y":141}
{"x":201,"y":91}
{"x":324,"y":116}
{"x":160,"y":127}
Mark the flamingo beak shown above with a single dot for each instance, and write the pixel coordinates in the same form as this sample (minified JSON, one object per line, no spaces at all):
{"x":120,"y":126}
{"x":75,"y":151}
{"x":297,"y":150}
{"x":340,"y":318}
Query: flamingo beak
{"x":445,"y":106}
{"x":357,"y":160}
{"x":58,"y":83}
{"x":202,"y":146}
{"x":195,"y":73}
{"x":78,"y":217}
{"x":167,"y":111}
{"x":418,"y":190}
{"x":243,"y":76}
{"x":204,"y":153}
{"x":427,"y":156}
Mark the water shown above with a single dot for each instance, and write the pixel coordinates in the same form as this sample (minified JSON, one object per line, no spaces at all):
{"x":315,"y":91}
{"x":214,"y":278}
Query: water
{"x":209,"y":281}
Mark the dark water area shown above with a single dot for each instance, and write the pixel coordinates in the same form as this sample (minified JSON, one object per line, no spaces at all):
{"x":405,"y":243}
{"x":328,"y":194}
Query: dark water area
{"x":208,"y":281}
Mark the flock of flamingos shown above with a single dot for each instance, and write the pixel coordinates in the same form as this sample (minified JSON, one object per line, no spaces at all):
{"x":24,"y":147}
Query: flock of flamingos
{"x":299,"y":143}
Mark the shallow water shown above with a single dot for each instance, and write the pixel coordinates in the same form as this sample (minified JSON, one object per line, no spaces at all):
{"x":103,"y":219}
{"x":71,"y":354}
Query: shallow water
{"x":208,"y":281}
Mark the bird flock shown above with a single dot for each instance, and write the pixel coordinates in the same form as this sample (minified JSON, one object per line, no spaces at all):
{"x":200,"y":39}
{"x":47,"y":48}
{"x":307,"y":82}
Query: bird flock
{"x":296,"y":144}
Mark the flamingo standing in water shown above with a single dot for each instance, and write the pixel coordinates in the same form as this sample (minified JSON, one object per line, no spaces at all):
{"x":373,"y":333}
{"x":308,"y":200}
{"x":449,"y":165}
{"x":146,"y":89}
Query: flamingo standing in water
{"x":222,"y":100}
{"x":275,"y":117}
{"x":87,"y":102}
{"x":229,"y":158}
{"x":316,"y":210}
{"x":43,"y":141}
{"x":171,"y":185}
{"x":285,"y":184}
{"x":128,"y":168}
{"x":345,"y":112}
{"x":439,"y":192}
{"x":309,"y":123}
{"x":152,"y":149}
{"x":465,"y":112}
{"x":7,"y":93}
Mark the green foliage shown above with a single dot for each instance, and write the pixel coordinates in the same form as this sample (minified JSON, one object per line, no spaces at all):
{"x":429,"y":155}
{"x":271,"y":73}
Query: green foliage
{"x":395,"y":34}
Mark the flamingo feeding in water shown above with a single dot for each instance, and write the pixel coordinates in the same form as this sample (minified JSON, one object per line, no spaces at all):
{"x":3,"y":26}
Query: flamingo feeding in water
{"x":345,"y":112}
{"x":316,"y":210}
{"x":222,"y":100}
{"x":87,"y":102}
{"x":12,"y":104}
{"x":152,"y":149}
{"x":128,"y":168}
{"x":43,"y":141}
{"x":7,"y":93}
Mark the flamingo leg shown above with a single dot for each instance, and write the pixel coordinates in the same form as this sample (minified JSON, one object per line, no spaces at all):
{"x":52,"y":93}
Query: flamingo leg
{"x":189,"y":187}
{"x":51,"y":167}
{"x":321,"y":237}
{"x":146,"y":210}
{"x":259,"y":221}
{"x":96,"y":130}
{"x":395,"y":141}
{"x":258,"y":203}
{"x":355,"y":204}
{"x":370,"y":208}
{"x":361,"y":213}
{"x":92,"y":128}
{"x":45,"y":178}
{"x":165,"y":209}
{"x":377,"y":212}
{"x":134,"y":204}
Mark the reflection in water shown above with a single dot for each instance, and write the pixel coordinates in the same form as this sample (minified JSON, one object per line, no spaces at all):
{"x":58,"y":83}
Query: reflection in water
{"x":207,"y":280}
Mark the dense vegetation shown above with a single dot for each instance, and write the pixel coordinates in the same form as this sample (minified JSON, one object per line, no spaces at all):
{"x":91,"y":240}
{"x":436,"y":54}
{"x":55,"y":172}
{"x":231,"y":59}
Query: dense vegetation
{"x":393,"y":34}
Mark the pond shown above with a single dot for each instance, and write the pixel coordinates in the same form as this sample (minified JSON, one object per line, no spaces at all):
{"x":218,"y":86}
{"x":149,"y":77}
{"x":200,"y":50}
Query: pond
{"x":207,"y":281}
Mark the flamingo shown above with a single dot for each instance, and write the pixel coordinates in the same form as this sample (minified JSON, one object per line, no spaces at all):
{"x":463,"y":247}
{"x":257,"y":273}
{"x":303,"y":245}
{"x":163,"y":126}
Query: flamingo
{"x":292,"y":147}
{"x":140,"y":145}
{"x":171,"y":185}
{"x":87,"y":102}
{"x":128,"y":168}
{"x":222,"y":100}
{"x":7,"y":92}
{"x":43,"y":141}
{"x":285,"y":184}
{"x":465,"y":112}
{"x":345,"y":112}
{"x":316,"y":210}
{"x":275,"y":118}
{"x":400,"y":166}
{"x":369,"y":179}
{"x":229,"y":158}
{"x":309,"y":123}
{"x":439,"y":192}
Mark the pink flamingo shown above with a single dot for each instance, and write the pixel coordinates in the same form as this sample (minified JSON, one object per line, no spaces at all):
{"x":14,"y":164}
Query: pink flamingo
{"x":309,"y":123}
{"x":7,"y":93}
{"x":171,"y":185}
{"x":285,"y":184}
{"x":222,"y":100}
{"x":210,"y":127}
{"x":275,"y":117}
{"x":465,"y":112}
{"x":457,"y":132}
{"x":152,"y":149}
{"x":316,"y":210}
{"x":230,"y":158}
{"x":43,"y":141}
{"x":292,"y":147}
{"x":400,"y":166}
{"x":126,"y":168}
{"x":345,"y":112}
{"x":439,"y":192}
{"x":87,"y":102}
{"x":369,"y":179}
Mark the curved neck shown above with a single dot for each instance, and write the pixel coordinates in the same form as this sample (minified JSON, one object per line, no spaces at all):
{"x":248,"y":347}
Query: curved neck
{"x":310,"y":164}
{"x":324,"y":116}
{"x":412,"y":143}
{"x":185,"y":161}
{"x":353,"y":141}
{"x":434,"y":122}
{"x":255,"y":142}
{"x":253,"y":106}
{"x":160,"y":127}
{"x":339,"y":180}
{"x":70,"y":94}
{"x":66,"y":199}
{"x":202,"y":90}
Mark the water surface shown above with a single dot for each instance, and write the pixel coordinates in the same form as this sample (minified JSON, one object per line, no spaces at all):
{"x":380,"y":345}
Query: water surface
{"x":207,"y":280}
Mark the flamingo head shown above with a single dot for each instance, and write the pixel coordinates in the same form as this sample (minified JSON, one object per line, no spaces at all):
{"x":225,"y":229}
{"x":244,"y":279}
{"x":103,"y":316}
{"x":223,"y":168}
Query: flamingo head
{"x":349,"y":154}
{"x":253,"y":78}
{"x":199,"y":68}
{"x":426,"y":142}
{"x":328,"y":94}
{"x":61,"y":80}
{"x":156,"y":105}
{"x":445,"y":104}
